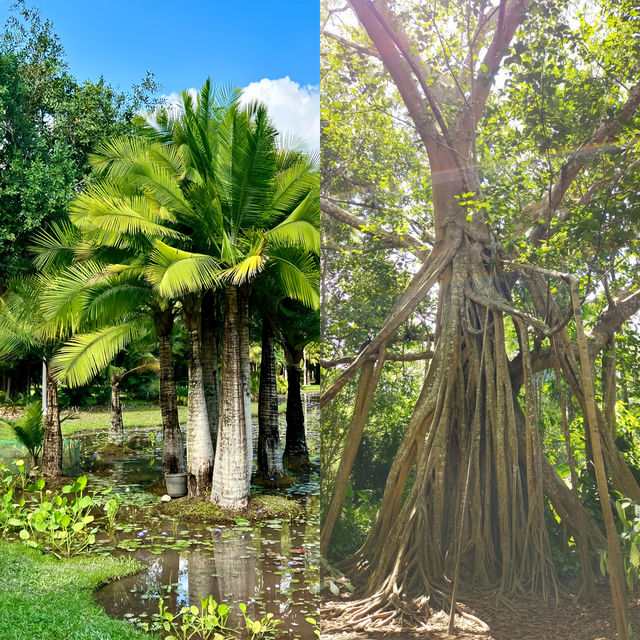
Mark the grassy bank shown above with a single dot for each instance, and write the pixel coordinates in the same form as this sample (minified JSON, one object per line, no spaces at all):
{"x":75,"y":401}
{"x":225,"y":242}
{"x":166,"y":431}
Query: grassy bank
{"x":43,"y":597}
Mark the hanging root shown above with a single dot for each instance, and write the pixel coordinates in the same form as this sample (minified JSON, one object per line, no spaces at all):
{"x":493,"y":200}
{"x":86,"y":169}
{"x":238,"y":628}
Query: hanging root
{"x":473,"y":520}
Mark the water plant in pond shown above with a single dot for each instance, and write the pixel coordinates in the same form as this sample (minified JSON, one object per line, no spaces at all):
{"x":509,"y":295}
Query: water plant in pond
{"x":61,"y":523}
{"x":208,"y":622}
{"x":111,"y":508}
{"x":264,"y":628}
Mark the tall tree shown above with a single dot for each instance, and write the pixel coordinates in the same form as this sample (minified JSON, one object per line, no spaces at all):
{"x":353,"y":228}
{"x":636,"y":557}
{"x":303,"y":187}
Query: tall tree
{"x":498,"y":222}
{"x":51,"y":122}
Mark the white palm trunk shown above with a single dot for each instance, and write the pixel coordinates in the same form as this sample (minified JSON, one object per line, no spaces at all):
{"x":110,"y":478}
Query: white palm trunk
{"x":199,"y":445}
{"x":243,"y":301}
{"x":231,"y":477}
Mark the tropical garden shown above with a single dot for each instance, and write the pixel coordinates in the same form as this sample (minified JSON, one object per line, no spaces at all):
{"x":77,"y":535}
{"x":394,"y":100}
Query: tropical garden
{"x":480,"y":407}
{"x":159,"y":296}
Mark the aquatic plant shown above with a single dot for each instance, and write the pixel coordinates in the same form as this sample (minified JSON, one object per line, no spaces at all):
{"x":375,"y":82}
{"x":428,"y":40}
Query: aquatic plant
{"x":263,"y":628}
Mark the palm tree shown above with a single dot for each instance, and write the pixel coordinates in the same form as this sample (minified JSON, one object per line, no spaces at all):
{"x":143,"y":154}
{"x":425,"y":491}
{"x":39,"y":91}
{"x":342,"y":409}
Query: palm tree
{"x":24,"y":330}
{"x":297,"y":327}
{"x":119,"y":300}
{"x":116,"y":375}
{"x":29,"y":429}
{"x":209,"y":181}
{"x":249,"y":206}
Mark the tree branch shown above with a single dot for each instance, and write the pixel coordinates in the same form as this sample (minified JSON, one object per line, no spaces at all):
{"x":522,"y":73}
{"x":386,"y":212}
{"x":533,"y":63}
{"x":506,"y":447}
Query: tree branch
{"x":578,"y":160}
{"x":399,"y":70}
{"x":612,"y":318}
{"x":389,"y":357}
{"x":405,"y":241}
{"x":509,"y":18}
{"x":369,"y":51}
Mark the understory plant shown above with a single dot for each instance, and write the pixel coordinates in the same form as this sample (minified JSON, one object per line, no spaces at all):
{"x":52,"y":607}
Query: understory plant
{"x":29,"y":430}
{"x":629,"y":525}
{"x":263,"y":628}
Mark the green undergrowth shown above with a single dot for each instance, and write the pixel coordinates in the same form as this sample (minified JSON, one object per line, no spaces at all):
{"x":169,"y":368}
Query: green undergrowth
{"x":115,"y":452}
{"x":202,"y":511}
{"x":42,"y":597}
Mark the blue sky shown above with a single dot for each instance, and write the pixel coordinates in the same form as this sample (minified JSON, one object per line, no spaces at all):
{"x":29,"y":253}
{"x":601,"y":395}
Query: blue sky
{"x":183,"y":42}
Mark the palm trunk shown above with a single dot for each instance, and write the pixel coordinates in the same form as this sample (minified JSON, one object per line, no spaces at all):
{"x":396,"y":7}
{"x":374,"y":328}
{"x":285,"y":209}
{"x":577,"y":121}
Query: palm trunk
{"x":172,"y":443}
{"x":231,"y":480}
{"x":210,"y":363}
{"x":296,"y":454}
{"x":269,"y":447}
{"x":116,"y":426}
{"x":243,"y":302}
{"x":52,"y":446}
{"x":199,"y":446}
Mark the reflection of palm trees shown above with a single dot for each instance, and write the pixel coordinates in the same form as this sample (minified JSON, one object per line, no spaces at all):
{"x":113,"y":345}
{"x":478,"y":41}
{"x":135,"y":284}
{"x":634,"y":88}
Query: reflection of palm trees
{"x":235,"y":564}
{"x":202,"y":579}
{"x":271,"y":559}
{"x":170,"y":575}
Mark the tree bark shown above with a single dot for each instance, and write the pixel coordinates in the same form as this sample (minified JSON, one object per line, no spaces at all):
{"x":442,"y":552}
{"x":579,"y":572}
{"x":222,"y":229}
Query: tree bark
{"x":269,"y":447}
{"x":609,"y":392}
{"x":172,"y":442}
{"x":116,"y":425}
{"x":210,"y":374}
{"x":231,"y":478}
{"x":296,"y":453}
{"x":52,"y":445}
{"x":245,"y":361}
{"x":199,"y":446}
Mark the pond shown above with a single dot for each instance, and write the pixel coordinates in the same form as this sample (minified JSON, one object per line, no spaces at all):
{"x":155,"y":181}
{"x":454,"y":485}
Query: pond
{"x":271,"y":566}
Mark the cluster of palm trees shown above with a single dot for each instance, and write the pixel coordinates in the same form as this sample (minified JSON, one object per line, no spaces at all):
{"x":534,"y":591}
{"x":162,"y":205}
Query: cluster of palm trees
{"x":200,"y":216}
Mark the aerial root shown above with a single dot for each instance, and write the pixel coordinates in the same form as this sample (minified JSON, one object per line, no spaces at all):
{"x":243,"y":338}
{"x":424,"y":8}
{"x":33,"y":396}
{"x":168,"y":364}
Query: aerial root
{"x":387,"y":610}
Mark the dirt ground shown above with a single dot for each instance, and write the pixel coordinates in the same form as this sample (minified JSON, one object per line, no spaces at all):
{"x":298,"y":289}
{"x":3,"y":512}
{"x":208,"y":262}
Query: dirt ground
{"x":569,"y":621}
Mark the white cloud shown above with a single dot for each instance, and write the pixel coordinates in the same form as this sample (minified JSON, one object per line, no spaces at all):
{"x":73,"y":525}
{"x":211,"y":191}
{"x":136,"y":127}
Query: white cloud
{"x":293,"y":109}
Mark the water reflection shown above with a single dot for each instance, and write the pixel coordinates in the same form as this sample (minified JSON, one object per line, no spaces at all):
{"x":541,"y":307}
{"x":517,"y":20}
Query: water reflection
{"x":272,"y":569}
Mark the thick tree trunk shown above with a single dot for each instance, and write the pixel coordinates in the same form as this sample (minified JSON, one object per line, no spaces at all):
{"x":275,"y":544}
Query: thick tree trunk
{"x":296,"y":454}
{"x":231,"y":478}
{"x":199,"y":446}
{"x":116,"y":426}
{"x":211,"y":378}
{"x":52,"y":446}
{"x":172,"y":443}
{"x":465,"y":413}
{"x":269,"y":447}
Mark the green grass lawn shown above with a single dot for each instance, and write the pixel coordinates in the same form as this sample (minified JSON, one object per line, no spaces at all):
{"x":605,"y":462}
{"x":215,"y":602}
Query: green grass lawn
{"x":43,"y":598}
{"x":137,"y":415}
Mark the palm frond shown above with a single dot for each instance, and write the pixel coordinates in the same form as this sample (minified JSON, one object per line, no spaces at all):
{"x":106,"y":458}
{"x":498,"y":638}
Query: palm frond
{"x":174,"y":272}
{"x":55,"y":247}
{"x":301,"y":227}
{"x":86,"y":354}
{"x":298,"y":275}
{"x":118,"y":214}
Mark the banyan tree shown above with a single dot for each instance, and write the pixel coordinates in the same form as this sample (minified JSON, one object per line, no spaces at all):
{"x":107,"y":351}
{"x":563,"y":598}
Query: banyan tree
{"x":520,"y":117}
